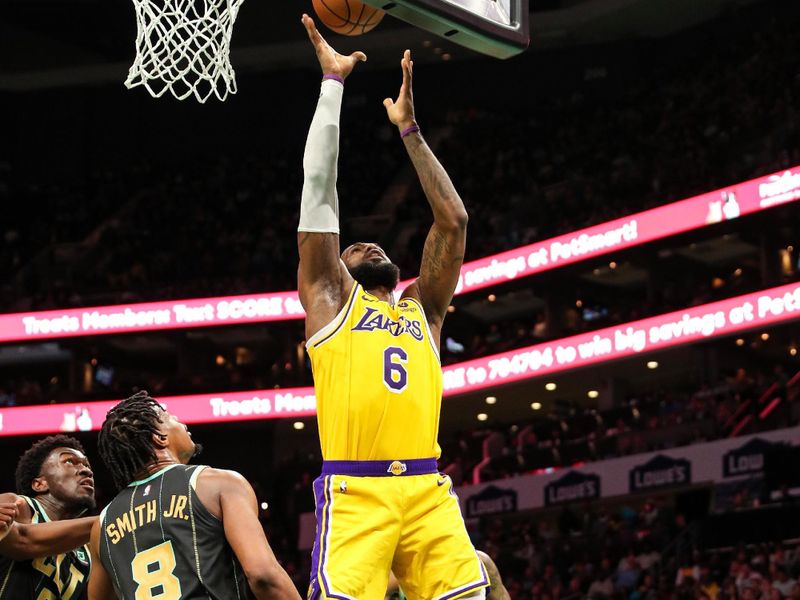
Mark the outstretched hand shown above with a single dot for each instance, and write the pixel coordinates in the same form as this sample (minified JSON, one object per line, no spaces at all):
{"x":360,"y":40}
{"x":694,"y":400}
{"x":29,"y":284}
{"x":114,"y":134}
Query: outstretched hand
{"x":331,"y":61}
{"x":401,"y":111}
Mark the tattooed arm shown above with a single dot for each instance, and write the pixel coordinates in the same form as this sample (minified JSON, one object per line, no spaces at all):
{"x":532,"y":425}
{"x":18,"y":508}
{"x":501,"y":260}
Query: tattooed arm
{"x":444,"y":247}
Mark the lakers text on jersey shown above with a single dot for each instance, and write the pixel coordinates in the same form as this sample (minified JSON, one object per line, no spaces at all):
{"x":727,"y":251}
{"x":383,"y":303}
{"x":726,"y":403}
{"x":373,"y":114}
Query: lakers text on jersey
{"x":380,"y":503}
{"x":376,"y":369}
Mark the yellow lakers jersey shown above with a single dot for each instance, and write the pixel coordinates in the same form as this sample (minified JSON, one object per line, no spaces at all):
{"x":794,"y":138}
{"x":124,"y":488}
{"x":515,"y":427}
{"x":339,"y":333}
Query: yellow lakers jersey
{"x":378,"y":381}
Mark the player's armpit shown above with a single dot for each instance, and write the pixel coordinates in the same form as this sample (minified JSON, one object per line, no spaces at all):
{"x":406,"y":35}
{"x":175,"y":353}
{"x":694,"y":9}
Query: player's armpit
{"x":100,"y":586}
{"x":27,"y":541}
{"x":266,"y":578}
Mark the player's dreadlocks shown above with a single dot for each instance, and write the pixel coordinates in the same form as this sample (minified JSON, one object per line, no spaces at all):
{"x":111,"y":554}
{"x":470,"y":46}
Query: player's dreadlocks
{"x":29,"y":466}
{"x":125,"y":441}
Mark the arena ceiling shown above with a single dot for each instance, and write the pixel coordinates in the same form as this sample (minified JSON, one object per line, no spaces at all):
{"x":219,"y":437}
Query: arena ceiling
{"x":55,"y":43}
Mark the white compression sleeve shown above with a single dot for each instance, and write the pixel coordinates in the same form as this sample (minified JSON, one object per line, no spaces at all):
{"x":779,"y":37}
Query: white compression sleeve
{"x":319,"y":206}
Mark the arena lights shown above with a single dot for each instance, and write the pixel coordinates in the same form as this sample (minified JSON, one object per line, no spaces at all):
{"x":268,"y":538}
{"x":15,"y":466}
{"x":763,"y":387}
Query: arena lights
{"x":550,"y":387}
{"x":592,"y":394}
{"x":652,"y":364}
{"x":194,"y":409}
{"x":536,"y":405}
{"x":491,"y":400}
{"x":658,"y":223}
{"x":482,"y":416}
{"x":725,"y":317}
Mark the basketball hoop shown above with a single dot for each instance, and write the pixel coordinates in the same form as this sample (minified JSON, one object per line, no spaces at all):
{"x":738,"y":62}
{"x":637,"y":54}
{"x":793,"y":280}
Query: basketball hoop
{"x":184,"y":46}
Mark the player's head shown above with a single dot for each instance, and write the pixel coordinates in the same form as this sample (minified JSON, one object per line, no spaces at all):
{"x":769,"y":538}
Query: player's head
{"x":369,"y":266}
{"x":57,"y":465}
{"x":138,"y":432}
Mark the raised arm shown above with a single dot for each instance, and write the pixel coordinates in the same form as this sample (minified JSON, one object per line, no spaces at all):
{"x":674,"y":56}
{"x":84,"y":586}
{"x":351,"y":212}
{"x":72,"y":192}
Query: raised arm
{"x":322,"y":279}
{"x":443,"y":253}
{"x":238,"y":510}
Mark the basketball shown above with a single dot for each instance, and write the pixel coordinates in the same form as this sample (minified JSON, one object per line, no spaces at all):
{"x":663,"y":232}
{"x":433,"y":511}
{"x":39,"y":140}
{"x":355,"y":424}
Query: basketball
{"x":347,"y":17}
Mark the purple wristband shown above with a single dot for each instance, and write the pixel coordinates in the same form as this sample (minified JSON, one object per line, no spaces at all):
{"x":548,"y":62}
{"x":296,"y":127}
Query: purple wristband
{"x":409,"y":129}
{"x":333,"y":76}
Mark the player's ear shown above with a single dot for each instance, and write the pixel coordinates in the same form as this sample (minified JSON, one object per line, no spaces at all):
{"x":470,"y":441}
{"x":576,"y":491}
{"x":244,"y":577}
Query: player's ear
{"x":160,"y":440}
{"x":39,"y":485}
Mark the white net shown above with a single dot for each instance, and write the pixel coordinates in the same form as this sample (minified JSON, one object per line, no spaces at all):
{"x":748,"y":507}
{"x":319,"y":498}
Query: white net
{"x":184,"y":46}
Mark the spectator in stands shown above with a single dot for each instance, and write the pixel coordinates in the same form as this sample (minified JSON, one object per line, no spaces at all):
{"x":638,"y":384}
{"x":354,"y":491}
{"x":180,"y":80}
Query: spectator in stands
{"x":646,"y":590}
{"x":729,"y":590}
{"x":648,"y":556}
{"x":628,"y":572}
{"x":603,"y":584}
{"x":707,"y":583}
{"x":783,"y":583}
{"x":747,"y":578}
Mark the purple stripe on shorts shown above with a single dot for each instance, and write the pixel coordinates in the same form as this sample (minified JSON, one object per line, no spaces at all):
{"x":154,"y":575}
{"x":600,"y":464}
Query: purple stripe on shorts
{"x":468,"y":588}
{"x":327,"y":501}
{"x":319,"y":506}
{"x":380,"y":468}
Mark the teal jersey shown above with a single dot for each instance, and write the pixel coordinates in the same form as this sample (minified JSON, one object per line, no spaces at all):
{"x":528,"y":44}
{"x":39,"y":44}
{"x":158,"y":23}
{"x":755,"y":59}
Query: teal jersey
{"x":61,"y":577}
{"x":158,"y":541}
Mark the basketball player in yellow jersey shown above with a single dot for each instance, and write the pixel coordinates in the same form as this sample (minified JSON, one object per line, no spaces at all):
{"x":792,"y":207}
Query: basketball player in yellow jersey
{"x":496,"y":590}
{"x":380,"y":503}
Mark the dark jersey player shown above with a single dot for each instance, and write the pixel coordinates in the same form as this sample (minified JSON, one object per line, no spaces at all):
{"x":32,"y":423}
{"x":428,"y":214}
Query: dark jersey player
{"x":55,"y":485}
{"x":176,"y":531}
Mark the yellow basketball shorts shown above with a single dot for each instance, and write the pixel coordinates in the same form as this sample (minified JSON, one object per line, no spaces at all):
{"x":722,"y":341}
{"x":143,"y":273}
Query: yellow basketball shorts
{"x":373,"y":516}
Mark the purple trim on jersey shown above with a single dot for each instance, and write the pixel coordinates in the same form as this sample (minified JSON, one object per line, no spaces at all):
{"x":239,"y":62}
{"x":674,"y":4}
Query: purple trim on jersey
{"x":379,"y":468}
{"x":319,"y":506}
{"x":323,"y":504}
{"x":353,"y":294}
{"x":428,"y":333}
{"x":470,"y":586}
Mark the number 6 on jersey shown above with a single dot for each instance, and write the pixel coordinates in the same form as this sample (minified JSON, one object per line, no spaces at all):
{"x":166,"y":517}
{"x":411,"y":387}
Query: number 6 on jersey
{"x":395,"y":376}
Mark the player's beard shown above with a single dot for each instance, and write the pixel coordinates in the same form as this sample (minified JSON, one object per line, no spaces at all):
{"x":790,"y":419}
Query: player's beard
{"x":374,"y":275}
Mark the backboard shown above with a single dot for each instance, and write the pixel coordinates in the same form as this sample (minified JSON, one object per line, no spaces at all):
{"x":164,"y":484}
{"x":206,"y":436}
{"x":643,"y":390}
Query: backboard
{"x":497,"y":28}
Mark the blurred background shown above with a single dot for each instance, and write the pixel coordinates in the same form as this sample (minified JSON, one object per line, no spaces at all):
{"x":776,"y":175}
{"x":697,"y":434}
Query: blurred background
{"x":110,"y":198}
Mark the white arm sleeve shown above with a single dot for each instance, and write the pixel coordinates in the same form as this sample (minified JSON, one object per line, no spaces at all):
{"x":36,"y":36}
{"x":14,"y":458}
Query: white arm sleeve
{"x":319,"y":206}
